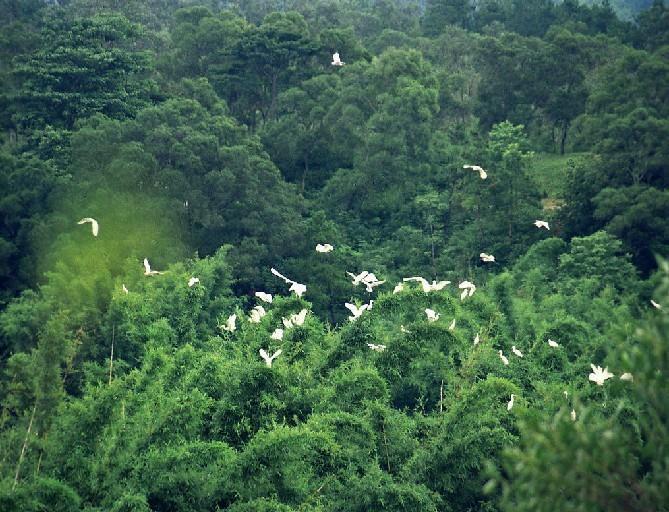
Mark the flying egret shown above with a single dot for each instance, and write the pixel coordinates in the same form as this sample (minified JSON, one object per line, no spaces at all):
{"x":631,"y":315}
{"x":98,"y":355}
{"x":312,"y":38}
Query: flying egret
{"x":324,"y":248}
{"x":598,"y":375}
{"x":477,"y":339}
{"x":277,"y":334}
{"x":357,"y":279}
{"x":147,"y":269}
{"x":256,"y":314}
{"x":573,"y":415}
{"x":125,"y":290}
{"x":655,"y":304}
{"x":265,"y":297}
{"x":95,"y":227}
{"x":451,"y":327}
{"x":432,"y":315}
{"x":230,"y":324}
{"x":553,"y":344}
{"x":516,"y":351}
{"x":398,"y":288}
{"x":336,"y":60}
{"x":427,"y":286}
{"x":541,"y":224}
{"x":192,"y":281}
{"x":509,"y":405}
{"x":487,"y":258}
{"x":370,"y":281}
{"x":477,"y":168}
{"x":627,"y":376}
{"x":355,"y":310}
{"x":377,"y":348}
{"x":503,"y":358}
{"x":467,"y":288}
{"x":298,"y":288}
{"x":268,"y":359}
{"x":296,"y":319}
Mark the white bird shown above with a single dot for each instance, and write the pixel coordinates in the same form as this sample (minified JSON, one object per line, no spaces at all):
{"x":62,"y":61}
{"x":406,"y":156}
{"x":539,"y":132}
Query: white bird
{"x":268,"y":359}
{"x":487,"y":258}
{"x":125,"y":290}
{"x":95,"y":227}
{"x":477,"y":339}
{"x":265,"y":297}
{"x":503,"y":358}
{"x":370,"y":281}
{"x":298,"y":288}
{"x":336,"y":60}
{"x":467,"y":288}
{"x":324,"y":248}
{"x":230,"y":324}
{"x":541,"y":224}
{"x":573,"y":415}
{"x":296,"y":319}
{"x":598,"y":375}
{"x":516,"y":351}
{"x":432,"y":316}
{"x":427,"y":286}
{"x":356,"y":311}
{"x":553,"y":344}
{"x":256,"y":314}
{"x":451,"y":327}
{"x":509,"y":405}
{"x":377,"y":348}
{"x":192,"y":281}
{"x":277,"y":334}
{"x":655,"y":304}
{"x":147,"y":269}
{"x":357,"y":279}
{"x":404,"y":330}
{"x":398,"y":288}
{"x":627,"y":376}
{"x":477,"y":168}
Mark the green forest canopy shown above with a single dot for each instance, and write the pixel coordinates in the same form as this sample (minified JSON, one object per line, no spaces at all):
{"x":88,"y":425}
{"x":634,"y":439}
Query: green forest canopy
{"x":218,"y":141}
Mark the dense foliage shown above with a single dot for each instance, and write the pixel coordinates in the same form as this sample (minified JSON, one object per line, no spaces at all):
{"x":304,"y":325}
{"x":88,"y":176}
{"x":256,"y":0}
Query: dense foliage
{"x":218,"y":141}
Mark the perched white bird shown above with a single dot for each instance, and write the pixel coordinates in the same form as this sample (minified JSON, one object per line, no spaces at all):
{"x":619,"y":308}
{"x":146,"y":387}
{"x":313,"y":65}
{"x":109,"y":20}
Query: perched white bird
{"x":370,"y":281}
{"x":268,"y":359}
{"x":451,"y":327}
{"x":192,"y":281}
{"x":398,"y":288}
{"x":230,"y":324}
{"x":95,"y":227}
{"x":324,"y":248}
{"x":477,"y":168}
{"x":477,"y":339}
{"x":598,"y":375}
{"x":541,"y":224}
{"x":573,"y":415}
{"x":265,"y":297}
{"x":553,"y":344}
{"x":377,"y":348}
{"x":336,"y":60}
{"x":256,"y":314}
{"x":655,"y":304}
{"x":147,"y":269}
{"x":427,"y":286}
{"x":298,"y":288}
{"x":503,"y":358}
{"x":432,"y":316}
{"x":516,"y":351}
{"x":277,"y":334}
{"x":627,"y":376}
{"x":509,"y":405}
{"x":296,"y":319}
{"x":125,"y":290}
{"x":487,"y":258}
{"x":356,"y":311}
{"x":467,"y":288}
{"x":404,"y":330}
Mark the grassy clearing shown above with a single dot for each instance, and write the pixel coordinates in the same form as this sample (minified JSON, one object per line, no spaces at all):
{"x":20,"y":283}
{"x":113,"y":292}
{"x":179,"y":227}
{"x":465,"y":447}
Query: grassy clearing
{"x":550,"y":171}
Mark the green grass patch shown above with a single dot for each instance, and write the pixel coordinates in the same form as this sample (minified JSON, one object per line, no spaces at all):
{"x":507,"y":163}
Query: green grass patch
{"x":549,"y":170}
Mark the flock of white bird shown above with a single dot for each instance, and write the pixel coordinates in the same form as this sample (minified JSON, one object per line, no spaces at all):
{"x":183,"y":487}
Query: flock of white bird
{"x":370,"y":281}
